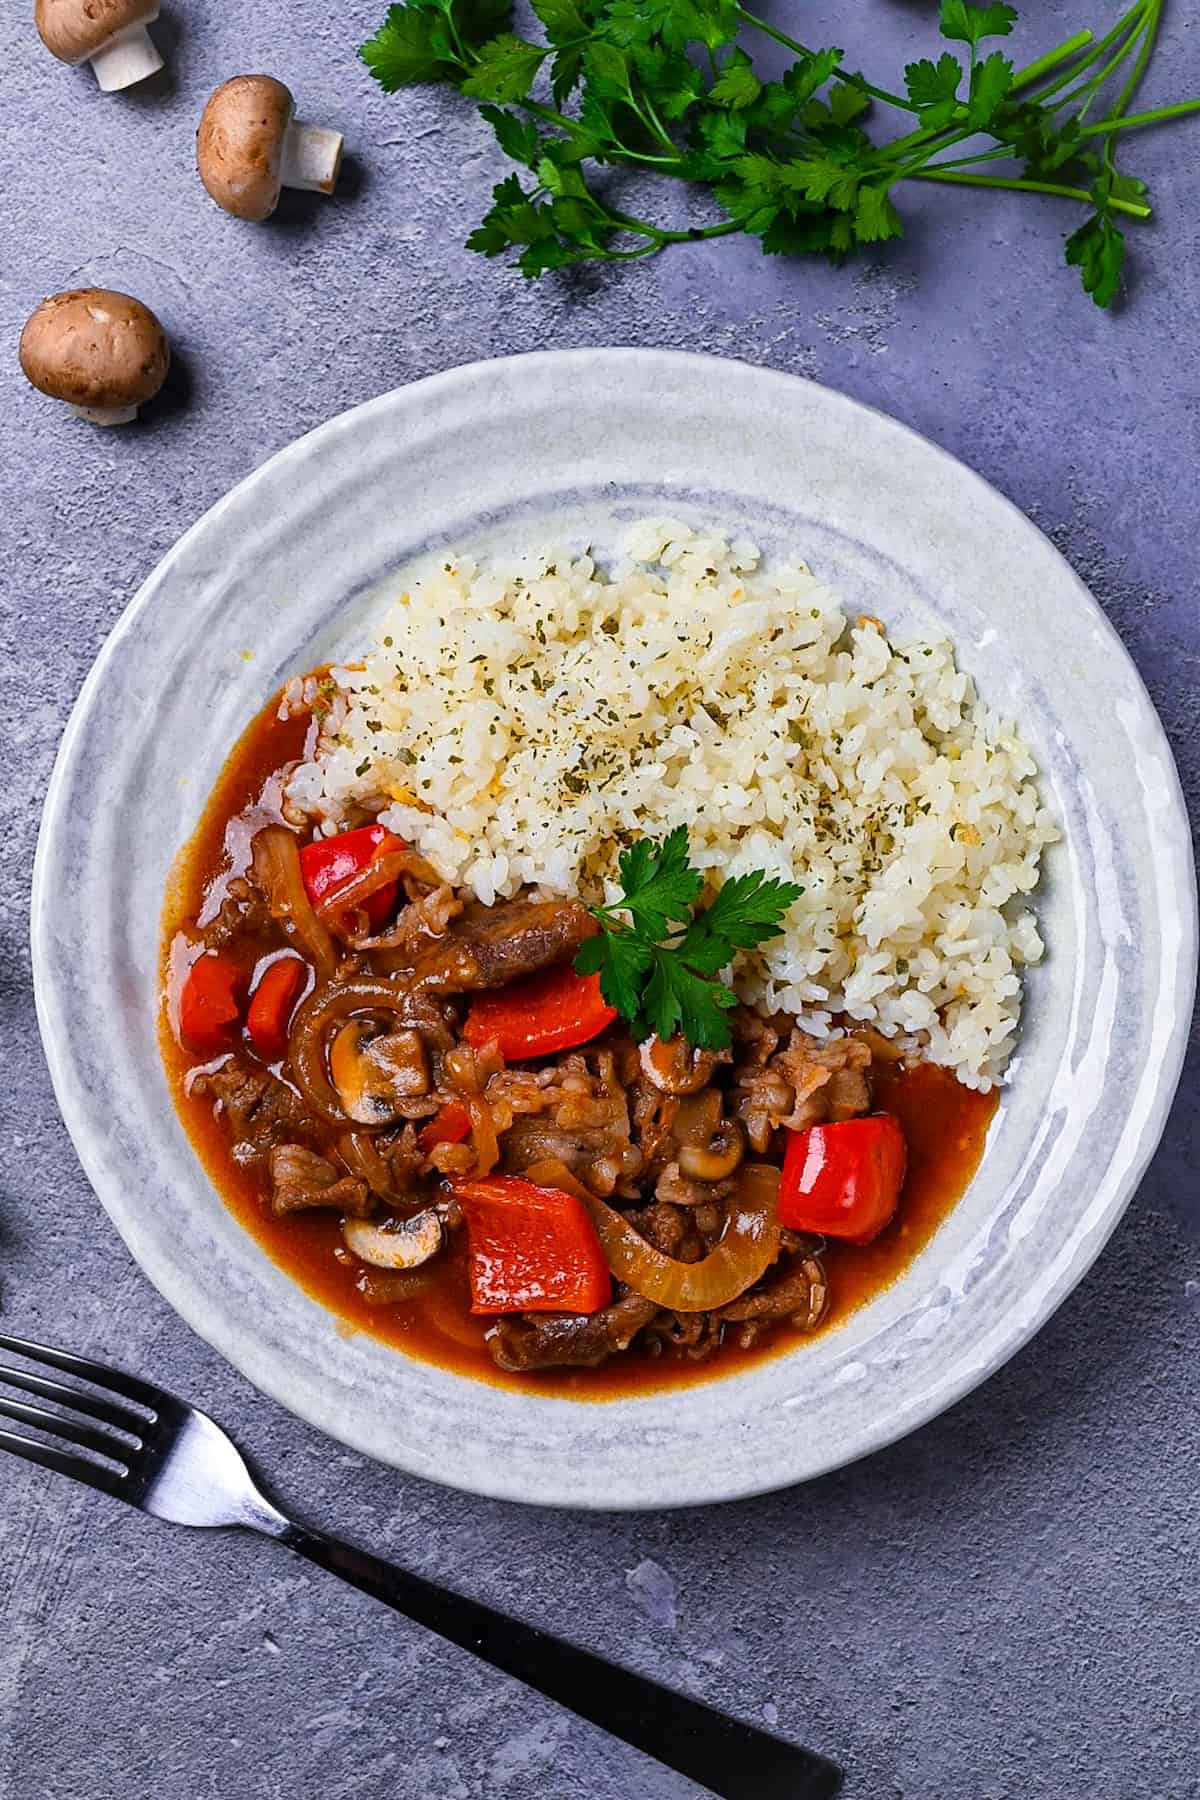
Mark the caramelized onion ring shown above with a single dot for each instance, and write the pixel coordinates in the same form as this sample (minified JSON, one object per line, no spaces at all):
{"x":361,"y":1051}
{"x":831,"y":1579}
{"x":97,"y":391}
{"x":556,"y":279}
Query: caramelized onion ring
{"x":358,"y":1153}
{"x":275,"y":862}
{"x":748,"y":1248}
{"x":325,"y":1007}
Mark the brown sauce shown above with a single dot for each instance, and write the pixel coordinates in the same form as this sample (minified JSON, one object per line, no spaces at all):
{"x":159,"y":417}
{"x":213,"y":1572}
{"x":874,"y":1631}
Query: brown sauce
{"x":945,"y":1125}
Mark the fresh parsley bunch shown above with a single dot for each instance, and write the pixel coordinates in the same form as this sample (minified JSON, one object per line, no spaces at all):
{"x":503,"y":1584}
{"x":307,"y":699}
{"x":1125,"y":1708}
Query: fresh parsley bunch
{"x":659,"y":961}
{"x":668,"y":87}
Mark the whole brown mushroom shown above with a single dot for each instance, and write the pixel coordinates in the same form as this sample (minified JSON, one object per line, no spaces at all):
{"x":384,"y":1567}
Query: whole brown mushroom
{"x":110,"y":34}
{"x":250,"y":145}
{"x":104,"y":353}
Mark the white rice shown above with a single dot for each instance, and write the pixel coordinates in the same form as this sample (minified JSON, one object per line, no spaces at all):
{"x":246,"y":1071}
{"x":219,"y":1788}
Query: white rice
{"x":520,"y":722}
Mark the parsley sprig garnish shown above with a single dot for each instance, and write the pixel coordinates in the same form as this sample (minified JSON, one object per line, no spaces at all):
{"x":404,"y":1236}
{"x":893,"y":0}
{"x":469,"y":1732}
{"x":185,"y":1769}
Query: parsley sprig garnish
{"x":659,"y":960}
{"x":668,"y":87}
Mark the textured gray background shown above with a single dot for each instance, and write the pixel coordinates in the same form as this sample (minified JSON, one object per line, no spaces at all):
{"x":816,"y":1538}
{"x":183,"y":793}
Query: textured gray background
{"x":1004,"y":1605}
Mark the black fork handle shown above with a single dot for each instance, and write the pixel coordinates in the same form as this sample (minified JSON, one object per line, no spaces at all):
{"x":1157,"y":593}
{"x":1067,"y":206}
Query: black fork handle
{"x":735,"y":1760}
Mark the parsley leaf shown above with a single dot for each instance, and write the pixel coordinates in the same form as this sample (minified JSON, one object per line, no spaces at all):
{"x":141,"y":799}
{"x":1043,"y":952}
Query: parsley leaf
{"x":567,"y":29}
{"x":622,"y":961}
{"x":412,"y":45}
{"x":517,"y":137}
{"x":426,"y":40}
{"x":562,"y":19}
{"x":737,"y":85}
{"x":1097,"y":250}
{"x":990,"y":83}
{"x":506,"y":69}
{"x":747,"y":909}
{"x":678,"y":1000}
{"x":933,"y":89}
{"x":658,"y":883}
{"x":847,"y":102}
{"x":875,"y":218}
{"x":968,"y":24}
{"x":661,"y":970}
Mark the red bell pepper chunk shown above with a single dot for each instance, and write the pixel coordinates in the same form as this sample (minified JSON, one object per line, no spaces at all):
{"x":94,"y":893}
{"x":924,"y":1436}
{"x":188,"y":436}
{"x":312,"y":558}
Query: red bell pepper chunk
{"x":329,"y":864}
{"x":532,"y":1249}
{"x":555,"y":1009}
{"x":211,"y":1003}
{"x":843,"y":1180}
{"x":272,"y":1004}
{"x":449,"y":1126}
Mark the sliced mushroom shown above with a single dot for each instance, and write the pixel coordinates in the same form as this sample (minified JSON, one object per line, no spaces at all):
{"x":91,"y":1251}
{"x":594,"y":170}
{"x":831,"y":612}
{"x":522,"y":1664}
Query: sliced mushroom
{"x":372,"y":1071}
{"x":396,"y":1243}
{"x":677,"y":1067}
{"x":717,"y":1160}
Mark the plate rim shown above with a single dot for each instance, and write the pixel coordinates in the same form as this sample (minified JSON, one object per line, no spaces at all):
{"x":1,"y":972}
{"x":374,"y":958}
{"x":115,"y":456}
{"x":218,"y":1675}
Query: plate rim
{"x":56,"y":1043}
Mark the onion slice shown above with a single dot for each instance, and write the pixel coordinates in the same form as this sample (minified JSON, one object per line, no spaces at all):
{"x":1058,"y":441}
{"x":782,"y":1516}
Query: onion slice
{"x":748,"y":1248}
{"x":275,"y":856}
{"x":328,"y":1006}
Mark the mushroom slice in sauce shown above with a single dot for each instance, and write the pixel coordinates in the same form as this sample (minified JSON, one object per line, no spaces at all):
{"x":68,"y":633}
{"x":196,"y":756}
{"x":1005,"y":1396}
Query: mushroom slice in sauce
{"x":675,"y":1067}
{"x":373,"y":1071}
{"x":396,"y":1243}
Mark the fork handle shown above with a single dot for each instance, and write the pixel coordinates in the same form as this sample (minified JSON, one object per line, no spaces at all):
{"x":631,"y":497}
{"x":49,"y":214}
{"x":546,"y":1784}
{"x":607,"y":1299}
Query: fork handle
{"x":735,"y":1760}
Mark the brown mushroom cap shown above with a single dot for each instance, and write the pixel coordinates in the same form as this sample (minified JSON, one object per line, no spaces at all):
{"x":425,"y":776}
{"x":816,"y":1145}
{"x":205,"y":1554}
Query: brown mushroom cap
{"x":239,"y":145}
{"x":95,"y":348}
{"x":73,"y":30}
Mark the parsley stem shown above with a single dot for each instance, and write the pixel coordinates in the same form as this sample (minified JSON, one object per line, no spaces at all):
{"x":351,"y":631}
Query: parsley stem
{"x":1095,"y":83}
{"x":1129,"y":121}
{"x":797,"y":49}
{"x":1153,"y":21}
{"x":1133,"y":82}
{"x":466,"y":57}
{"x":1004,"y":153}
{"x":655,"y":125}
{"x":1035,"y":70}
{"x":662,"y":236}
{"x":1124,"y":25}
{"x":625,"y":152}
{"x":1027,"y":187}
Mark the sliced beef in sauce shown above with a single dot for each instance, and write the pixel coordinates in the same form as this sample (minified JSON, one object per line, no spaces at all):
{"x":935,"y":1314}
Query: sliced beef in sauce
{"x":683,"y":1190}
{"x":426,"y":918}
{"x":568,"y":1340}
{"x":668,"y":1228}
{"x":490,"y":946}
{"x":578,"y":1117}
{"x":810,"y":1082}
{"x":300,"y":1178}
{"x":692,"y":1335}
{"x":259,"y":1110}
{"x":799,"y":1294}
{"x":243,"y":910}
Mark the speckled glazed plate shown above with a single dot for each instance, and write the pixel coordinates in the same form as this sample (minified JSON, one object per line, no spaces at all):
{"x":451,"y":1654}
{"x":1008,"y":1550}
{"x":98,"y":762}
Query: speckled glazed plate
{"x":279,"y":576}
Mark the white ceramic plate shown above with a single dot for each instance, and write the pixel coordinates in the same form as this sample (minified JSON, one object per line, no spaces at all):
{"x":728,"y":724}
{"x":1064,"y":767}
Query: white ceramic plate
{"x":575,"y":443}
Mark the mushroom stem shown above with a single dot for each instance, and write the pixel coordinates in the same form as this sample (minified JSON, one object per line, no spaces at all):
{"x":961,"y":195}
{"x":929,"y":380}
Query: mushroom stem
{"x":127,"y":58}
{"x":312,"y":156}
{"x":106,"y":415}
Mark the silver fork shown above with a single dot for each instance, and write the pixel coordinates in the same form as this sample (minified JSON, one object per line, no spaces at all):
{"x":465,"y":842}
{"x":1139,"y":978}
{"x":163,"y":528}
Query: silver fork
{"x":173,"y":1461}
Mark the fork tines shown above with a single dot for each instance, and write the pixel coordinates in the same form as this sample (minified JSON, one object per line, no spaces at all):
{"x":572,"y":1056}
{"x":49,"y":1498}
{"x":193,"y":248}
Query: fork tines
{"x":115,"y":1414}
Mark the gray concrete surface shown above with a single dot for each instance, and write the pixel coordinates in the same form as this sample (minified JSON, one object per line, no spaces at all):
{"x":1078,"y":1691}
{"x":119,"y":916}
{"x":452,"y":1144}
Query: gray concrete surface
{"x":1003,"y":1606}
